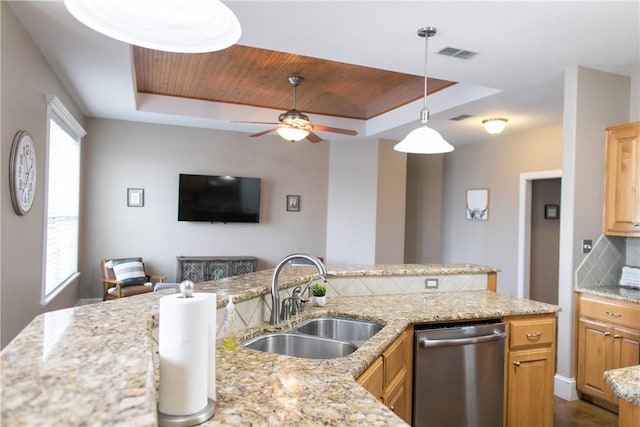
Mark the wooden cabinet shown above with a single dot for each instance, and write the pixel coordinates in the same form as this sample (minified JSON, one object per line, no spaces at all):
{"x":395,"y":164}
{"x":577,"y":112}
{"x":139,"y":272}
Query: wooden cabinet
{"x":529,"y":370}
{"x":202,"y":269}
{"x":389,"y":377}
{"x":622,"y":181}
{"x":608,"y":338}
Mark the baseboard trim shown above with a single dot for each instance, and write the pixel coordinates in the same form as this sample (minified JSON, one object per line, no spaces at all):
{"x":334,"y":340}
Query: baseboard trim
{"x":565,"y":388}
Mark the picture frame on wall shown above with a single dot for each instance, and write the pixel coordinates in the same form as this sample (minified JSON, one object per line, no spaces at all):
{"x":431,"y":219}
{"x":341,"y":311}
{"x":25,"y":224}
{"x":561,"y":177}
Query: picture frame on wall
{"x":477,"y":204}
{"x":293,"y":203}
{"x":135,"y":197}
{"x":551,"y":212}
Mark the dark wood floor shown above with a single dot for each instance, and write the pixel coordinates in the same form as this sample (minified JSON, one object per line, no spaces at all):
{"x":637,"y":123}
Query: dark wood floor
{"x":581,"y":414}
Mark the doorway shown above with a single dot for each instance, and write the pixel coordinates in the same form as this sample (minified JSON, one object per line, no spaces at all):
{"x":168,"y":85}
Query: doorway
{"x":539,"y":235}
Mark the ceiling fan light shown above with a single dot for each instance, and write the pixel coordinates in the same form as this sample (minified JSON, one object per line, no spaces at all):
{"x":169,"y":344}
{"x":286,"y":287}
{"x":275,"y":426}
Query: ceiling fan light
{"x":494,"y":126}
{"x":193,"y":26}
{"x":292,"y":134}
{"x":423,"y":140}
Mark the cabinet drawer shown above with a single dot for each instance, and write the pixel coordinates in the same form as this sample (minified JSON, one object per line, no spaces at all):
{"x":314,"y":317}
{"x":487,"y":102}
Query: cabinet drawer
{"x":531,"y":332}
{"x":394,"y":358}
{"x":610,"y":311}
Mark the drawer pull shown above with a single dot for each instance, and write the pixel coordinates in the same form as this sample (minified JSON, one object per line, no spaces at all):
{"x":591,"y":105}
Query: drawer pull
{"x":606,"y":334}
{"x":616,"y":336}
{"x":612,"y":314}
{"x":536,"y":335}
{"x":516,"y":363}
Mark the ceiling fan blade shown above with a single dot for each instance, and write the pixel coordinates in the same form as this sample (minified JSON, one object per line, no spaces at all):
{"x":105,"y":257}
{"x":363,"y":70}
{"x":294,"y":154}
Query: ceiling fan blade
{"x":334,"y":130}
{"x":257,"y":123}
{"x":312,"y":137}
{"x":264,"y":132}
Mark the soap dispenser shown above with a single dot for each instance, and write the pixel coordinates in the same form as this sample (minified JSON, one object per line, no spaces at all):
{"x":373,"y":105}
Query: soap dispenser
{"x":229,"y":338}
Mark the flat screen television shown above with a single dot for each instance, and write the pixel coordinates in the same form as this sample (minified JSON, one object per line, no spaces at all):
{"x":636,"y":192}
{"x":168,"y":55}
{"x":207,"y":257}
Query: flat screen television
{"x":218,"y":198}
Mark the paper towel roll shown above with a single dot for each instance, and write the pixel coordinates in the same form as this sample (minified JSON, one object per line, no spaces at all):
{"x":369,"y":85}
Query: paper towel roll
{"x":211,"y":363}
{"x":184,"y":353}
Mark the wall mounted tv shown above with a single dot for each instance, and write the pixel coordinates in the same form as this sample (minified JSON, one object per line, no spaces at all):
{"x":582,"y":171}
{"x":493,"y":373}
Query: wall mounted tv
{"x":218,"y":198}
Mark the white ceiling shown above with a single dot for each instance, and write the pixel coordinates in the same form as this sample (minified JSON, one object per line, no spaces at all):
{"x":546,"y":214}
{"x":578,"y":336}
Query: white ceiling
{"x":523,"y":49}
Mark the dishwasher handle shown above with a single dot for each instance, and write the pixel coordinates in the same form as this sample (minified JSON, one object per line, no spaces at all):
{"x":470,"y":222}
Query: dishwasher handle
{"x":496,"y":336}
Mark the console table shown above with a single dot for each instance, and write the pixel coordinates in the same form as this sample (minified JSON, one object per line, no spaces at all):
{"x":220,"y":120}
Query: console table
{"x":205,"y":268}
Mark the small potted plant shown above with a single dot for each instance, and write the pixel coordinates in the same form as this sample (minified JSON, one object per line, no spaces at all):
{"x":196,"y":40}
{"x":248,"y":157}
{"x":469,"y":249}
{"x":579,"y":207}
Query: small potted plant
{"x":319,"y":292}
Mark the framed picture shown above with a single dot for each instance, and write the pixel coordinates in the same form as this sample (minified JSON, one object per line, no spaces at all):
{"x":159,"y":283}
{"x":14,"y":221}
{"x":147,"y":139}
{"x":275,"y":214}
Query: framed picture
{"x":551,"y":212}
{"x":293,"y":203}
{"x":477,"y":206}
{"x":135,"y":197}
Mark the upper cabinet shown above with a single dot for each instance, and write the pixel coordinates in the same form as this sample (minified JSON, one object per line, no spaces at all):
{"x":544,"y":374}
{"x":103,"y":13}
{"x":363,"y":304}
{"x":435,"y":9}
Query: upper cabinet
{"x":622,"y":181}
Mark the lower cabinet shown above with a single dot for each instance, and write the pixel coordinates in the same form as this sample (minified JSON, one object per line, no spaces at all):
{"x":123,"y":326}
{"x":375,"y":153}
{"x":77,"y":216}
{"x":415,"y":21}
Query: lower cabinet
{"x":530,"y":370}
{"x":608,"y":338}
{"x":389,"y":377}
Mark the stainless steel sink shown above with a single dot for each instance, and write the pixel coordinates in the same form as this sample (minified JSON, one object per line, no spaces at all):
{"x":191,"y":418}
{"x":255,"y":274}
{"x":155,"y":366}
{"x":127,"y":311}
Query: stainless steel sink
{"x":356,"y":332}
{"x":304,"y":346}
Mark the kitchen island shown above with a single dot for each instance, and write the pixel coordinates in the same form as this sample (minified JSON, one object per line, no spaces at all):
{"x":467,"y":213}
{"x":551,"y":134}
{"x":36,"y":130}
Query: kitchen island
{"x":95,"y":364}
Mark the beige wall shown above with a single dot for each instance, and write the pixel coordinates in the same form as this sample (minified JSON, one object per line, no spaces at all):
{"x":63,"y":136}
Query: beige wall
{"x":26,"y":79}
{"x":120,"y":155}
{"x":495,"y":164}
{"x":366,"y":210}
{"x":423,"y":236}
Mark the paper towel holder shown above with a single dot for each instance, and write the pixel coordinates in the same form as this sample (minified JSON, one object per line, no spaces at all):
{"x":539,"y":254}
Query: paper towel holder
{"x":199,"y":417}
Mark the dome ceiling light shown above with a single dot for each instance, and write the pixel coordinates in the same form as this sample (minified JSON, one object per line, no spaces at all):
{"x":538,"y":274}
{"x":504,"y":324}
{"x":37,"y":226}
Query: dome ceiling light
{"x":495,"y":126}
{"x":194,"y":26}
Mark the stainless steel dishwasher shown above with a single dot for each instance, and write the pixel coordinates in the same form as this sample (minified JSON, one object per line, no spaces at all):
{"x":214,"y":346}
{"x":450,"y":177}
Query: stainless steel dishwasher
{"x":458,"y":374}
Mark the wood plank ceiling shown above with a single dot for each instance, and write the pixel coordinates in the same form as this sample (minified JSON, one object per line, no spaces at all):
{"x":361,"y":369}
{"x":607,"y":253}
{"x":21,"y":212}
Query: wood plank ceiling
{"x":258,"y":77}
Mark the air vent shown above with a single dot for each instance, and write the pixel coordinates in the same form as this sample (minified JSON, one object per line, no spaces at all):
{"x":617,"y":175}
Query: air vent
{"x":460,"y":117}
{"x":457,"y":53}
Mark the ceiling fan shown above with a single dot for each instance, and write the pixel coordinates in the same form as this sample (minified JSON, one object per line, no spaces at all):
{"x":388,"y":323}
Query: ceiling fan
{"x":295,"y":126}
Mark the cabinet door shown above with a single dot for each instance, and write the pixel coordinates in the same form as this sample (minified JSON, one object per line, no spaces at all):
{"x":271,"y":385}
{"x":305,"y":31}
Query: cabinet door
{"x":530,"y":388}
{"x":243,"y":267}
{"x":396,"y":399}
{"x":218,"y":269}
{"x":372,"y":379}
{"x":594,"y":357}
{"x":626,"y":347}
{"x":191,"y":270}
{"x":622,"y":190}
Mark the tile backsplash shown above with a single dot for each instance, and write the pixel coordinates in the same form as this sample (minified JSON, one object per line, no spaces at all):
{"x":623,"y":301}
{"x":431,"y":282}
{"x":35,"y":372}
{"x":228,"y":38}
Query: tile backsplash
{"x":603,"y":265}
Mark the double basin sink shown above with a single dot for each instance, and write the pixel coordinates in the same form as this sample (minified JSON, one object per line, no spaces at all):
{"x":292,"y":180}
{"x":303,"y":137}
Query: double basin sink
{"x":319,"y":338}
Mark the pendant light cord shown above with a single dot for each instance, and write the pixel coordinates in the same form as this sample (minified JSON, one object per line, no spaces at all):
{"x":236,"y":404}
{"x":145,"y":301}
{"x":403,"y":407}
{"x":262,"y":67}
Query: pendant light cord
{"x":426,"y":51}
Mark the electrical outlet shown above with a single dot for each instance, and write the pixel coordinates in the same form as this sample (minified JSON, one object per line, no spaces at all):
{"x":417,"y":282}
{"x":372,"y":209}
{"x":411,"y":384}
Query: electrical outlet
{"x":587,"y":245}
{"x":431,"y":283}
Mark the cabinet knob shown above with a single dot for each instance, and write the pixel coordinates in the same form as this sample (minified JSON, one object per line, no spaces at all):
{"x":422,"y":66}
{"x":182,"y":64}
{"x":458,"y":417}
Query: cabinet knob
{"x":392,"y":408}
{"x":606,"y":334}
{"x":616,"y":336}
{"x":612,"y":314}
{"x":516,"y":363}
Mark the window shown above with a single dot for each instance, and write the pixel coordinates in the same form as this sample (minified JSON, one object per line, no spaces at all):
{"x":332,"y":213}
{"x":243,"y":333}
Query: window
{"x":62,"y":199}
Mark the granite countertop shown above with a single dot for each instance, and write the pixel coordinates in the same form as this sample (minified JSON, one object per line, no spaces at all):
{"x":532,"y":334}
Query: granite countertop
{"x":94,"y":364}
{"x":622,"y":293}
{"x":625,"y":383}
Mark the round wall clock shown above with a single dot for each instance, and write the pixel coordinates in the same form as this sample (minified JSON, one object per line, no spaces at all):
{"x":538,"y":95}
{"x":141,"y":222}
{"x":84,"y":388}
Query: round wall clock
{"x":22,"y":172}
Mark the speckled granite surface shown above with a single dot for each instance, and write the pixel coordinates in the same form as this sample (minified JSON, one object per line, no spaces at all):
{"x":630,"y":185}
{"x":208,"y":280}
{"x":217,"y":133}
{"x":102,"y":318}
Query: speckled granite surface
{"x":94,"y":365}
{"x":615,"y":292}
{"x":625,"y":383}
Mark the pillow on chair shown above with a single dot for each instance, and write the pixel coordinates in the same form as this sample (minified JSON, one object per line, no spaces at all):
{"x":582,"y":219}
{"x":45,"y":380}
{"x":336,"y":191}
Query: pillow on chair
{"x":130,"y":271}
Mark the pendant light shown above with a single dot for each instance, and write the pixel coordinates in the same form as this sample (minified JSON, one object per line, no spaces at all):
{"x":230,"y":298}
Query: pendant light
{"x":424,"y":140}
{"x":194,"y":26}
